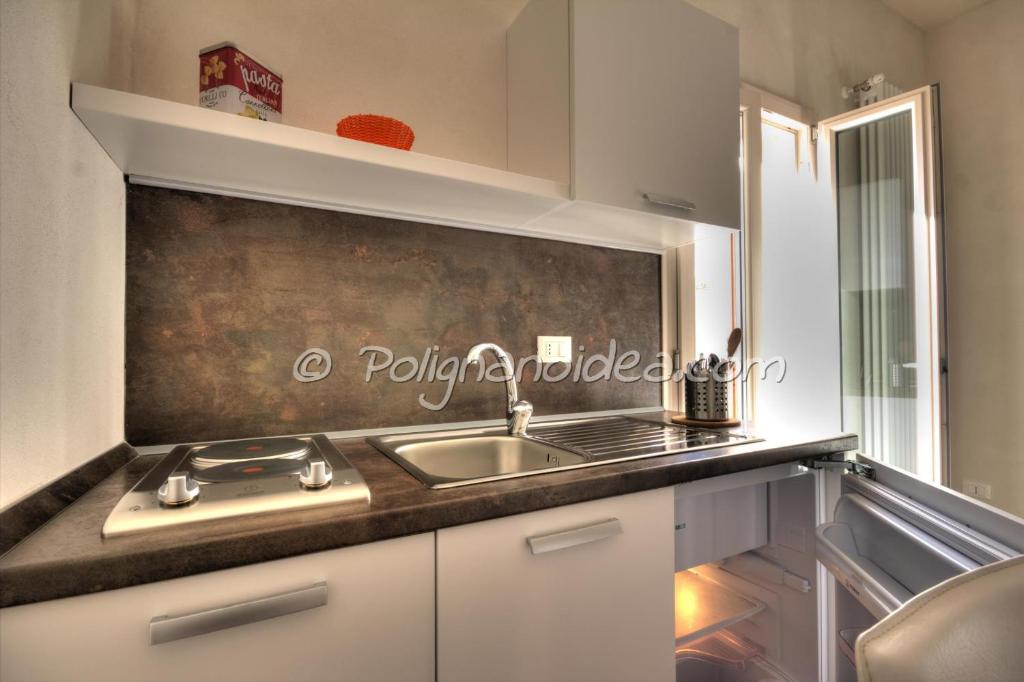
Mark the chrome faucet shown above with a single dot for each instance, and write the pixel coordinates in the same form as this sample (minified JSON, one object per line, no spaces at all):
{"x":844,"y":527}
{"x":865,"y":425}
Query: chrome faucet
{"x":517,"y":412}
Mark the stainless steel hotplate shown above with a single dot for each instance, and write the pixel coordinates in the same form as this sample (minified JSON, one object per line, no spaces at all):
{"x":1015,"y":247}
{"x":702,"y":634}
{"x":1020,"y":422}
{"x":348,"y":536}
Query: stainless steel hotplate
{"x":238,"y":478}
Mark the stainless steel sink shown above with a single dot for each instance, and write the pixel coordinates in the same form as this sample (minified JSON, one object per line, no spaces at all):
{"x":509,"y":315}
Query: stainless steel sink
{"x":447,"y":459}
{"x":444,"y":462}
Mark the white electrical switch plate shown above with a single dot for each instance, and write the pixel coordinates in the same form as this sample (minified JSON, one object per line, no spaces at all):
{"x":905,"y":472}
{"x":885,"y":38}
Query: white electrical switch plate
{"x":554,"y":348}
{"x":983,"y":491}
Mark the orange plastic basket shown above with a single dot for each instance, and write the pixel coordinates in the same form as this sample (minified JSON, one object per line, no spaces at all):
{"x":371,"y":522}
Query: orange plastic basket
{"x":384,"y":130}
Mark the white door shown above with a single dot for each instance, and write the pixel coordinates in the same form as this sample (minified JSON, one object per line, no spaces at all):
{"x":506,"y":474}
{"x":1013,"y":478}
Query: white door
{"x":884,"y":166}
{"x":581,"y":592}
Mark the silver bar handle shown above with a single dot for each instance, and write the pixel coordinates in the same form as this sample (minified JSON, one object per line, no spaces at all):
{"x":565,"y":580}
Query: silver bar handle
{"x":671,"y":202}
{"x":542,"y":544}
{"x":163,"y":629}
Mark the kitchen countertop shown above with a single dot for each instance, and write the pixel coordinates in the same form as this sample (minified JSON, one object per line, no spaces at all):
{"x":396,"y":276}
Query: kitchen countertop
{"x":67,"y":556}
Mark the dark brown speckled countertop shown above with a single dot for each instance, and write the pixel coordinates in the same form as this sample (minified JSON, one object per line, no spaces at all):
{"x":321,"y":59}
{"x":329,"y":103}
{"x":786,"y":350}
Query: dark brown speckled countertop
{"x":68,"y":557}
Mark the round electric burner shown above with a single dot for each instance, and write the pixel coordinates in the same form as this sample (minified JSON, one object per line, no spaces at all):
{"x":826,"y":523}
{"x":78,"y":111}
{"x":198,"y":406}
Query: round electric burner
{"x":254,"y":451}
{"x":249,"y":469}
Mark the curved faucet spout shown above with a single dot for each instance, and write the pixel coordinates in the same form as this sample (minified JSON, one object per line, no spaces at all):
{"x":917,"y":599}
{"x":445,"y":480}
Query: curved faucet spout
{"x":507,"y":368}
{"x":517,"y":412}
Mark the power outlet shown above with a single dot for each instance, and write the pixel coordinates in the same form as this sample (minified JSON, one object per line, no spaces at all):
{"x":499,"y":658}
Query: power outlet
{"x":982,"y":491}
{"x":554,"y":348}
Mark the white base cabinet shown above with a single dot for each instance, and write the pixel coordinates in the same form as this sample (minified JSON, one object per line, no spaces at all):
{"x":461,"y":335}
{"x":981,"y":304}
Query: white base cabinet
{"x":580,"y":592}
{"x":377,"y":623}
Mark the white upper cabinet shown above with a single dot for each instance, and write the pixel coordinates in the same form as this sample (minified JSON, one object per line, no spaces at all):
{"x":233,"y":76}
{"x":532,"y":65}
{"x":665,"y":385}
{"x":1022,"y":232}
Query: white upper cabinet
{"x":656,"y":109}
{"x":646,"y":117}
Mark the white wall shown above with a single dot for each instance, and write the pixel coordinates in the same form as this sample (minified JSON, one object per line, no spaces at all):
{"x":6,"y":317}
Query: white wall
{"x":61,"y":246}
{"x":806,"y":50}
{"x":714,"y":316}
{"x":978,"y":61}
{"x":437,"y":65}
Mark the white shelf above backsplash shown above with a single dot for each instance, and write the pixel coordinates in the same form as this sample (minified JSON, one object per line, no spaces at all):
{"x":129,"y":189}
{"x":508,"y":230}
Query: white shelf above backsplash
{"x":178,"y":145}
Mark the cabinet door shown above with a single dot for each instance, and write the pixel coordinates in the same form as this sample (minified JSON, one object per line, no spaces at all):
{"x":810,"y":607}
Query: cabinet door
{"x":582,"y":592}
{"x":377,"y":624}
{"x":656,"y":109}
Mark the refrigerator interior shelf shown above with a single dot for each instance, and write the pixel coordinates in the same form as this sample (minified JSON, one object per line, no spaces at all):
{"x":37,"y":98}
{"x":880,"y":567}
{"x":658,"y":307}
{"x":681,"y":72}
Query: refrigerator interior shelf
{"x":703,"y":607}
{"x":722,"y":648}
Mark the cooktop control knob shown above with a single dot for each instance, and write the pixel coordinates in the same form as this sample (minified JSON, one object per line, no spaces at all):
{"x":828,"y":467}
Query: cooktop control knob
{"x":178,"y":489}
{"x":316,"y":474}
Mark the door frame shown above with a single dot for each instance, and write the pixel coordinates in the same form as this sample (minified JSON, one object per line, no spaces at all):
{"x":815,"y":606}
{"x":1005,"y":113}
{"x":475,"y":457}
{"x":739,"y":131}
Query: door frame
{"x":759,"y":106}
{"x":922,"y":104}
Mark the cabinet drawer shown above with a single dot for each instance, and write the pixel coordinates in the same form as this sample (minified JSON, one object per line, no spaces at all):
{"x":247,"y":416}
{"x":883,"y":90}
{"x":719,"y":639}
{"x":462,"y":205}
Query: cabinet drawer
{"x":582,"y":592}
{"x":377,"y":623}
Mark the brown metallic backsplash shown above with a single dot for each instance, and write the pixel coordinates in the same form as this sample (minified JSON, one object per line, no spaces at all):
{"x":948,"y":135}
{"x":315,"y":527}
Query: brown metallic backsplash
{"x":224,"y":294}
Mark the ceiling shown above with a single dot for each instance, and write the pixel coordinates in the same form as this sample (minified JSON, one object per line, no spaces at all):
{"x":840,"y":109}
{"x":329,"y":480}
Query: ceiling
{"x":930,"y":13}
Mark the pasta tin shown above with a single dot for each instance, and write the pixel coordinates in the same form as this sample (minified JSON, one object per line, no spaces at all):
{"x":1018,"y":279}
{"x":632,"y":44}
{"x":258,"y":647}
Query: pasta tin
{"x":232,"y":81}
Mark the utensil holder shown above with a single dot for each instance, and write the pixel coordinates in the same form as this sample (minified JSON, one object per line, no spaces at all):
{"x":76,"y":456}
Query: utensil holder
{"x":709,"y":392}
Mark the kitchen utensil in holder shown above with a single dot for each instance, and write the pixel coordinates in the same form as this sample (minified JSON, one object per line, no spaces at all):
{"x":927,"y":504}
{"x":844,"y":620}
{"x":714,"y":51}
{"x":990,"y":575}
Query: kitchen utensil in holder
{"x":709,"y":392}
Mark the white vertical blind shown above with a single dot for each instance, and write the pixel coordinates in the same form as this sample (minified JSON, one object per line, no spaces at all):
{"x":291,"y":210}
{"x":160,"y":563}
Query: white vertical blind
{"x":875,"y":181}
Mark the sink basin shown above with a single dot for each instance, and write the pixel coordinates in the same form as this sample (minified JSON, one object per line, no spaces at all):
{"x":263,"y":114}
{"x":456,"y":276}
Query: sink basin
{"x":445,"y":459}
{"x":461,"y":460}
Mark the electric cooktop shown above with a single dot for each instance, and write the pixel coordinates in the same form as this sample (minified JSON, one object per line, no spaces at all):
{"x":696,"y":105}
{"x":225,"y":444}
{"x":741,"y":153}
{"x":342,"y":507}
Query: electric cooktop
{"x":196,"y":483}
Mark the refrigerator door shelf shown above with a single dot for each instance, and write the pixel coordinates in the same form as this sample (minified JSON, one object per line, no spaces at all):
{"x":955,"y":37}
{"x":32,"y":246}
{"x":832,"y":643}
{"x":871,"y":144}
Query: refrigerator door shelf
{"x":877,"y":591}
{"x":882,"y":559}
